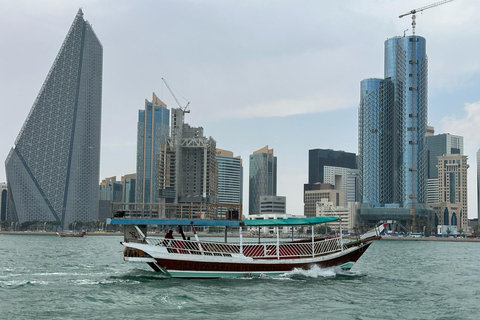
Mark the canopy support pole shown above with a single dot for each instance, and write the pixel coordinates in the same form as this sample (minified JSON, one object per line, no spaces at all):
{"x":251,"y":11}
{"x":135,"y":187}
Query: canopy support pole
{"x":278,"y":243}
{"x":341,"y":235}
{"x":241,"y":239}
{"x":313,"y":242}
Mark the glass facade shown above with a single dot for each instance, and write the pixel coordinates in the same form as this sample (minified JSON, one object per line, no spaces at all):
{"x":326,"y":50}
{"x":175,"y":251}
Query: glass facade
{"x":440,"y":145}
{"x":229,"y":180}
{"x":3,"y":204}
{"x":262,"y":178}
{"x":152,"y":131}
{"x":319,"y":158}
{"x":375,"y":143}
{"x":53,"y":170}
{"x":392,"y":126}
{"x":406,"y":65}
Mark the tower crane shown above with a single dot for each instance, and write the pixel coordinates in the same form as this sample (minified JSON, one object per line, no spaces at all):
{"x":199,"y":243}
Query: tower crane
{"x":414,"y":11}
{"x":183,"y":108}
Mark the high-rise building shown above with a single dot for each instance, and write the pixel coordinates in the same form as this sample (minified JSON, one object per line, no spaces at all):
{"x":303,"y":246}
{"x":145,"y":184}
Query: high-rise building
{"x":230,"y":177}
{"x":439,"y":145}
{"x":407,"y":67}
{"x":262,"y":177}
{"x":152,"y":132}
{"x":187,"y":171}
{"x":111,"y":190}
{"x":319,"y":158}
{"x":452,"y":184}
{"x":392,"y":127}
{"x":128,"y":182}
{"x":375,"y":141}
{"x":3,"y":201}
{"x":53,"y":170}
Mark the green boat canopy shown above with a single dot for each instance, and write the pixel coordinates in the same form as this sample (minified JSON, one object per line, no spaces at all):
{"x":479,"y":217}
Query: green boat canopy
{"x":288,"y":222}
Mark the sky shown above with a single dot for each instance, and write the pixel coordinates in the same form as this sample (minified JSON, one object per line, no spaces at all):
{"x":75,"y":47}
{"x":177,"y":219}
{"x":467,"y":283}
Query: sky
{"x":280,"y":73}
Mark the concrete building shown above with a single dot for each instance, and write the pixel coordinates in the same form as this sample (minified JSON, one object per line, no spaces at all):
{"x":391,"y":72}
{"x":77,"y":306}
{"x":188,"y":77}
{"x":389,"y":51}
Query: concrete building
{"x":3,"y":201}
{"x":152,"y":132}
{"x":452,"y":187}
{"x":322,"y":191}
{"x":273,"y":205}
{"x":347,"y":214}
{"x":284,"y":231}
{"x":352,"y":192}
{"x":187,"y":171}
{"x":53,"y":170}
{"x":262,"y":177}
{"x":230,"y":177}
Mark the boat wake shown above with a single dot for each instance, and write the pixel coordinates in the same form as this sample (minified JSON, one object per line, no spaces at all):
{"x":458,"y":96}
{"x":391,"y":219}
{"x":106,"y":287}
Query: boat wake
{"x":318,"y":272}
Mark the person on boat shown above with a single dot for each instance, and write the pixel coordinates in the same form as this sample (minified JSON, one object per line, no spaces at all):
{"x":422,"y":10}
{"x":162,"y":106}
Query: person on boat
{"x":167,"y":242}
{"x":169,"y":235}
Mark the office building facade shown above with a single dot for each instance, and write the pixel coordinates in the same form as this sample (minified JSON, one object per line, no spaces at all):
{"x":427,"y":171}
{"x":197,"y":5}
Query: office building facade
{"x":452,"y":190}
{"x":53,"y":170}
{"x":262,"y":177}
{"x":152,"y":132}
{"x":230,"y":177}
{"x":128,"y":182}
{"x":273,"y":204}
{"x":319,"y":158}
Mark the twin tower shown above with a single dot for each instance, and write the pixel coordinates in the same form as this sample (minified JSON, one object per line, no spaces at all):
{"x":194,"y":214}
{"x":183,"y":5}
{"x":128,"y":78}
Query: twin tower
{"x":392,"y":126}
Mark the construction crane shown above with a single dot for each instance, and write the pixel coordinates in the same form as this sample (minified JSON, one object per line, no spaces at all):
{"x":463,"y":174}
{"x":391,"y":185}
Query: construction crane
{"x":414,"y":11}
{"x":183,"y":108}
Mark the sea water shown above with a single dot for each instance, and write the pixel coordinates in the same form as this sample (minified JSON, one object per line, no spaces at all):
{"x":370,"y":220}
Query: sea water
{"x":48,"y":277}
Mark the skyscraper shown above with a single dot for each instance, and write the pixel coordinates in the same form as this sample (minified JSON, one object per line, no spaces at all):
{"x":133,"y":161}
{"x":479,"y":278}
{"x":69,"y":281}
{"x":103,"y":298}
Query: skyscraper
{"x":262,"y":177}
{"x":392,"y":126}
{"x":230,"y":177}
{"x":53,"y":170}
{"x":152,"y":131}
{"x":187,"y":171}
{"x":319,"y":158}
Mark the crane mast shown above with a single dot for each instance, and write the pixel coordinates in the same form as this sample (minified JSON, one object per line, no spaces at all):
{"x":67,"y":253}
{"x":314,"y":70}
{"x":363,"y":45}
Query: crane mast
{"x":415,"y":11}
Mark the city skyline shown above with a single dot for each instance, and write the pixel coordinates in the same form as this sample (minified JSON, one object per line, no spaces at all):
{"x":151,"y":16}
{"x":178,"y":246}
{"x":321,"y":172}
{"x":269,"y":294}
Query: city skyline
{"x":294,"y":88}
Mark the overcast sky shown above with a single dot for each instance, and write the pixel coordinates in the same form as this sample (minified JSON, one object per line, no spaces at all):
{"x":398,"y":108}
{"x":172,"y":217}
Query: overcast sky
{"x":280,"y":73}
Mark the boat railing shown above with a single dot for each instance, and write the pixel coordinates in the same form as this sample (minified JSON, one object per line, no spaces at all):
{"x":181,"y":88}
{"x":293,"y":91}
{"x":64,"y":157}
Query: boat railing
{"x":281,"y":250}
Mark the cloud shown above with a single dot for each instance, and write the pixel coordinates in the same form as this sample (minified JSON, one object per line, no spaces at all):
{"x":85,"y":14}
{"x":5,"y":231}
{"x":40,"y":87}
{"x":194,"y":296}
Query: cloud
{"x":466,"y":126}
{"x":289,"y":107}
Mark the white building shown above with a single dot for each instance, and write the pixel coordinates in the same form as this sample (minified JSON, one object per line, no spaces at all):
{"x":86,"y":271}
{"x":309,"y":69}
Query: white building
{"x":347,"y":215}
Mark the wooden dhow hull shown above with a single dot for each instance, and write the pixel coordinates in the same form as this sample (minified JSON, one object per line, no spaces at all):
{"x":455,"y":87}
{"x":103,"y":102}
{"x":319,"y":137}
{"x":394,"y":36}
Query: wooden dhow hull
{"x":182,"y":265}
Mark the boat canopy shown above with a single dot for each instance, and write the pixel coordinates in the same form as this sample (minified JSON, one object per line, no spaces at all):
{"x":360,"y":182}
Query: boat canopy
{"x":288,"y":222}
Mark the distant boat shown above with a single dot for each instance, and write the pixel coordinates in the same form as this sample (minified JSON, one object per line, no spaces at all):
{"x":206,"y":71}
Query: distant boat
{"x":71,"y":235}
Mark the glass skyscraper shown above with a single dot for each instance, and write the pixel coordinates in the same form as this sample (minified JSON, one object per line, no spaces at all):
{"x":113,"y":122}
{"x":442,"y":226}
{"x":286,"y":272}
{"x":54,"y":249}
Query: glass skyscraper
{"x":262,"y":176}
{"x":53,"y":170}
{"x":230,"y":173}
{"x":392,"y":126}
{"x":152,"y":131}
{"x":319,"y":158}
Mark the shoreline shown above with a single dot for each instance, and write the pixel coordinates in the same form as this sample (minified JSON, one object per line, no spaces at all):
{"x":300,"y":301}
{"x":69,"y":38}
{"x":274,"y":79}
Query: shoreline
{"x":385,"y":238}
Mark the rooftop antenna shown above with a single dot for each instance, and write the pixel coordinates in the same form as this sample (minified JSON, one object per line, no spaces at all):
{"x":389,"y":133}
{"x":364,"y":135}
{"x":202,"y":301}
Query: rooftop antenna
{"x":404,"y":31}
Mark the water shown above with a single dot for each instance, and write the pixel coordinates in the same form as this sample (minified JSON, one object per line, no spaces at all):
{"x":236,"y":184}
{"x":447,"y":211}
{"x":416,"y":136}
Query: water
{"x":48,"y":277}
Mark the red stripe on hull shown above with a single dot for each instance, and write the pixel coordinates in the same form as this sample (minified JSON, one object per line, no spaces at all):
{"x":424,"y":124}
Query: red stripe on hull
{"x":170,"y":264}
